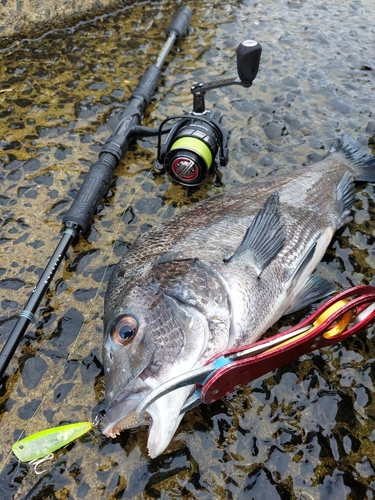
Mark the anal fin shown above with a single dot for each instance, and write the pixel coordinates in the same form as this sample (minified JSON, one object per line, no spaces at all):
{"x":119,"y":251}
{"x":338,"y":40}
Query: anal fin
{"x":316,"y":288}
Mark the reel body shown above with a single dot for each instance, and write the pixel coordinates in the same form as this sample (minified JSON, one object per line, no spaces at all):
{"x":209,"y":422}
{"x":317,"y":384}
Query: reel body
{"x":191,"y":147}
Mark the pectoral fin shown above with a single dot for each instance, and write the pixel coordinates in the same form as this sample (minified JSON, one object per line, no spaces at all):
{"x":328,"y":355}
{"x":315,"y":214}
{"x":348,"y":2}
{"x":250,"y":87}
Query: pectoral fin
{"x":305,"y":260}
{"x":265,"y":236}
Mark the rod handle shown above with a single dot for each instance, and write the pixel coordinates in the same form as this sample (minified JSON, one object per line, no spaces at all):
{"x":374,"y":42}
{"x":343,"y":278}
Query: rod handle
{"x":147,"y":84}
{"x":180,"y":22}
{"x":94,"y":187}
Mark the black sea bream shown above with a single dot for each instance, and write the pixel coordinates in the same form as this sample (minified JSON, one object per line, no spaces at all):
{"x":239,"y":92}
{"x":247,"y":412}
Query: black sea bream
{"x":215,"y":276}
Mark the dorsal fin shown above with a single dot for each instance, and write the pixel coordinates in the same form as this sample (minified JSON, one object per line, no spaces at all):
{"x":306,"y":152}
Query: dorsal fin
{"x":265,"y":236}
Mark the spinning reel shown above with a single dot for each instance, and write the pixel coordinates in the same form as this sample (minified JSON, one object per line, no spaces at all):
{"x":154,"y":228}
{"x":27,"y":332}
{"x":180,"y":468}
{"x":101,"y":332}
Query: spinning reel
{"x":196,"y":139}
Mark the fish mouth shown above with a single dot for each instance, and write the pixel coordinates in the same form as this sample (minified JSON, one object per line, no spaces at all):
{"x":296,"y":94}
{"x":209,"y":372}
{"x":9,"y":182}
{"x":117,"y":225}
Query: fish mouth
{"x":129,"y":382}
{"x":163,"y":416}
{"x":122,"y":415}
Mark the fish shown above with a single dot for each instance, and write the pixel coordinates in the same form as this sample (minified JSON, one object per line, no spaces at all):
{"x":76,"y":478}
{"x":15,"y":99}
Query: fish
{"x":215,"y":276}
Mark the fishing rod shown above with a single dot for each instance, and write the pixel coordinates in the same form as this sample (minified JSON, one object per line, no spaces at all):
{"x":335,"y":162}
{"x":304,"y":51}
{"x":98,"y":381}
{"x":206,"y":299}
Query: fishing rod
{"x":196,"y":143}
{"x":97,"y":180}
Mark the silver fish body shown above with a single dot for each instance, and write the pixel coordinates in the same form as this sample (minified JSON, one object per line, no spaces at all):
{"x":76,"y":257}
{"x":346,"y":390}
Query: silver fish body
{"x":215,"y":276}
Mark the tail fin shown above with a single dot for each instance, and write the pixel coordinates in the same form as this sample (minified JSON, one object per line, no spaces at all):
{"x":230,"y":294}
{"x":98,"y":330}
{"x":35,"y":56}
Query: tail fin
{"x":350,"y":150}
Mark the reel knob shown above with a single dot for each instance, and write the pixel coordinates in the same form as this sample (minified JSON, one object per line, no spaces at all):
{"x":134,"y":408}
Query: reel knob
{"x":248,"y":59}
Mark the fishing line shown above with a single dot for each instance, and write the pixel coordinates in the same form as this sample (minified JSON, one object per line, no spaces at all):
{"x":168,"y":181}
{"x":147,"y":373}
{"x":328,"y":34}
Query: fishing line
{"x":86,"y":318}
{"x":193,"y":144}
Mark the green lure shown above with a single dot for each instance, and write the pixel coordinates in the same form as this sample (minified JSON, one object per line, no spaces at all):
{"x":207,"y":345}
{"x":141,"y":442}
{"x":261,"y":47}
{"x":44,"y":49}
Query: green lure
{"x":43,"y":443}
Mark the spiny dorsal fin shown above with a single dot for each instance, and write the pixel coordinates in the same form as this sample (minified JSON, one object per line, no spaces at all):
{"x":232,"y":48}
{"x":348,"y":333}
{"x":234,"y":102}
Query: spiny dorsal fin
{"x":265,"y":236}
{"x":315,"y":288}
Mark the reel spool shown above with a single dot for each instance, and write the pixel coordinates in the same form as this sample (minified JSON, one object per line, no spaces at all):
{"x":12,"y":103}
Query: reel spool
{"x":195,"y":140}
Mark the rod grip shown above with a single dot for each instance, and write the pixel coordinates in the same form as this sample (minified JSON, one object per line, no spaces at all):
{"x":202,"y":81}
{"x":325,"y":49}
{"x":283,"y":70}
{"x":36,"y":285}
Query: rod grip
{"x":94,"y":187}
{"x":146,"y":86}
{"x":180,"y":22}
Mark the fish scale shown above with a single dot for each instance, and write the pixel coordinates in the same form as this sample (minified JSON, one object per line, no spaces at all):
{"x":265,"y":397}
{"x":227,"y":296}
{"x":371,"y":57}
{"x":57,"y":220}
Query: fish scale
{"x":217,"y":276}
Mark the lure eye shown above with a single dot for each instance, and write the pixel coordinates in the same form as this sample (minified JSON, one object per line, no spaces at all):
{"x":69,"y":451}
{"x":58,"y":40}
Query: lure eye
{"x":124,"y":330}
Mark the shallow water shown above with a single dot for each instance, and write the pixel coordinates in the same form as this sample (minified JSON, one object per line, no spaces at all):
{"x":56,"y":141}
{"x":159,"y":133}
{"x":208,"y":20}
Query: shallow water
{"x":305,"y":431}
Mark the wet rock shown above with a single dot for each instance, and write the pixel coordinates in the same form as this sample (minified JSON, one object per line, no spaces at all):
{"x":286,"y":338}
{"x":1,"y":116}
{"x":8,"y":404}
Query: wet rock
{"x":11,"y":284}
{"x":36,"y":244}
{"x":62,"y":391}
{"x":341,"y":106}
{"x":84,"y":295}
{"x":33,"y":371}
{"x":90,"y":368}
{"x":49,"y":415}
{"x":67,"y":329}
{"x":371,"y":130}
{"x":291,"y":82}
{"x":28,"y":410}
{"x":274,"y":130}
{"x":148,"y":206}
{"x":250,"y":145}
{"x":250,"y":172}
{"x":32,"y":165}
{"x":31,"y":193}
{"x":266,"y":161}
{"x":5,"y":304}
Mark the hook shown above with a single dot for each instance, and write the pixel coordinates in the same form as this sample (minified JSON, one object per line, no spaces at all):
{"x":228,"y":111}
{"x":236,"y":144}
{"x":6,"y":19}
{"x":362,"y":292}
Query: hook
{"x":36,"y":463}
{"x":96,"y":421}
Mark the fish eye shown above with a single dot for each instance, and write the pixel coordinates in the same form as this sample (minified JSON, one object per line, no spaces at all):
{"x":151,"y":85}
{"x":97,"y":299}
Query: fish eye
{"x":124,"y":330}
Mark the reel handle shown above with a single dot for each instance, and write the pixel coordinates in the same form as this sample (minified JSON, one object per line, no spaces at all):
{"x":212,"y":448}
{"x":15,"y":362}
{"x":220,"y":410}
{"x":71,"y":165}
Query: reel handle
{"x":248,"y":59}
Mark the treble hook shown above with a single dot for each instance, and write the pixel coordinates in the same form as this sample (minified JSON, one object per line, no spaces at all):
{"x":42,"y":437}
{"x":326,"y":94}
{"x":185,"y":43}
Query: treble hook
{"x":96,"y":421}
{"x":37,"y":462}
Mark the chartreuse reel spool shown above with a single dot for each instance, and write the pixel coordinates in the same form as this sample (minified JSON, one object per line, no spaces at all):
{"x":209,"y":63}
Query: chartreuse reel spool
{"x":197,"y":141}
